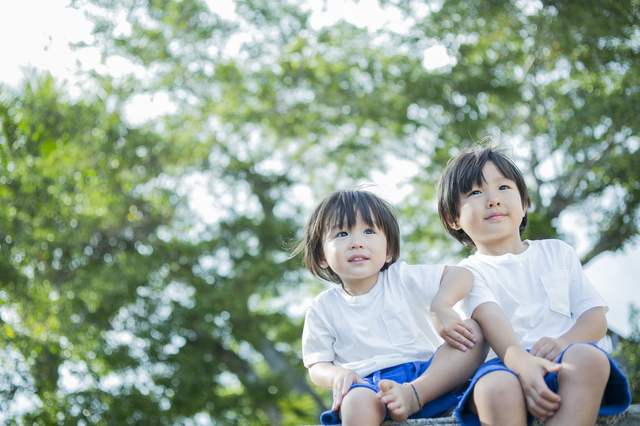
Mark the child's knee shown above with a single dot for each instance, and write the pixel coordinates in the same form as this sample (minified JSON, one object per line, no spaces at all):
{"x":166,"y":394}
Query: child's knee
{"x":499,"y":389}
{"x":361,"y":402}
{"x":359,"y":396}
{"x":583,"y":358}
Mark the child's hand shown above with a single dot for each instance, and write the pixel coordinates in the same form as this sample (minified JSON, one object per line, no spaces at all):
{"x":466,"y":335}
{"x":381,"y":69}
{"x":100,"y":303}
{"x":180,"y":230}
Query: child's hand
{"x":549,"y":348}
{"x":452,"y":328}
{"x":341,"y":384}
{"x":541,"y":401}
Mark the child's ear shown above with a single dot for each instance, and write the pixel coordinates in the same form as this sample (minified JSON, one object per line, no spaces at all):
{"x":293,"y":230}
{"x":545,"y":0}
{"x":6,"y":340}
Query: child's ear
{"x":323,"y":264}
{"x":453,"y":224}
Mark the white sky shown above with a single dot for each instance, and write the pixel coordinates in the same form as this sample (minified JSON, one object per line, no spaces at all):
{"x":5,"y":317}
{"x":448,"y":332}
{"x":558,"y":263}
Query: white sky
{"x":38,"y":32}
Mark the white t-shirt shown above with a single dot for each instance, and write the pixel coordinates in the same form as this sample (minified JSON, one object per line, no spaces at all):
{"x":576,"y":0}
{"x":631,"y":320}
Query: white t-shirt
{"x":388,"y":326}
{"x":543,"y":290}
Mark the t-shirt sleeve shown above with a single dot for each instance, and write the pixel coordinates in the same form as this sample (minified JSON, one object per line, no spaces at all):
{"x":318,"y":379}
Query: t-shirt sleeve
{"x":424,"y":279}
{"x":583,"y":294}
{"x":317,"y":339}
{"x":480,"y":292}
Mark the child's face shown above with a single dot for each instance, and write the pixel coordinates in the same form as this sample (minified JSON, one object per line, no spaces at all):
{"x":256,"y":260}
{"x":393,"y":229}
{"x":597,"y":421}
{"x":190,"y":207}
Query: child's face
{"x":356,"y":254}
{"x":491,"y":213}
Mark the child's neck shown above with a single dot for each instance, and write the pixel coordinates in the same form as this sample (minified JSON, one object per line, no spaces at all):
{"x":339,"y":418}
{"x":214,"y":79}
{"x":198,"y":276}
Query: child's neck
{"x":499,"y":249}
{"x":360,"y":287}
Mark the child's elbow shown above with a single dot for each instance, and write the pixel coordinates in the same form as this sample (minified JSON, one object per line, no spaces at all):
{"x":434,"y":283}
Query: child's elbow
{"x":318,"y":375}
{"x":598,"y":322}
{"x":604,"y":327}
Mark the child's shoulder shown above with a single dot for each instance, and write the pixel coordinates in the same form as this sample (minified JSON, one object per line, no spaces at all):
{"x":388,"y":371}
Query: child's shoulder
{"x":550,"y":244}
{"x":404,"y":270}
{"x":328,"y":295}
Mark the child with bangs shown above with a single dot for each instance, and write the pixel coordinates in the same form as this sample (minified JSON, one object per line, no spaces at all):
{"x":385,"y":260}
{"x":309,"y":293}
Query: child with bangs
{"x":536,"y":307}
{"x":372,"y":339}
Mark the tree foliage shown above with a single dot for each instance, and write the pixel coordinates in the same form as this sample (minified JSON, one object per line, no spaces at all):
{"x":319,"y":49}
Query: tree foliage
{"x":130,"y":307}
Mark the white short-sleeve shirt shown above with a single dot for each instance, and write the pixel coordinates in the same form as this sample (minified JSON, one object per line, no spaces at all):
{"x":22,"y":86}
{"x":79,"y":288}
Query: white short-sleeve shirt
{"x":388,"y":326}
{"x":543,"y":290}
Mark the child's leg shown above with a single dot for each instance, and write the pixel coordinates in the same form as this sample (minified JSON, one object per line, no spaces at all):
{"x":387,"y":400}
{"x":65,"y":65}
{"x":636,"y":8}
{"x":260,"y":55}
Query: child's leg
{"x":450,"y":369}
{"x":581,"y":384}
{"x":361,"y":406}
{"x":498,"y":400}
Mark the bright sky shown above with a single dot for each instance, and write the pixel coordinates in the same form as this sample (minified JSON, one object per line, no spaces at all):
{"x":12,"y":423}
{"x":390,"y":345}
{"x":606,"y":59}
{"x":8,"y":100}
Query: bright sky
{"x":38,"y":32}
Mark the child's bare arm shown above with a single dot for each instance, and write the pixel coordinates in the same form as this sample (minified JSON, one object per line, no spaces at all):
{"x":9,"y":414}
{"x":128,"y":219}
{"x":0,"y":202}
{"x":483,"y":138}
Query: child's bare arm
{"x":497,"y":330}
{"x":455,"y":284}
{"x":590,"y":327}
{"x":328,"y":376}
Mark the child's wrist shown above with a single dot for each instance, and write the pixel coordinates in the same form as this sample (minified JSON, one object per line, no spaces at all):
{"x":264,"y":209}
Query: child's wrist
{"x":439,"y":308}
{"x":516,"y":359}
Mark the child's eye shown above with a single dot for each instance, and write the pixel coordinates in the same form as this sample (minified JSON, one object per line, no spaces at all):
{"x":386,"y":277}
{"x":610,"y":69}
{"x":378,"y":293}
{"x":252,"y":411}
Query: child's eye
{"x":342,"y":234}
{"x":369,"y":231}
{"x":504,"y":187}
{"x":475,"y":192}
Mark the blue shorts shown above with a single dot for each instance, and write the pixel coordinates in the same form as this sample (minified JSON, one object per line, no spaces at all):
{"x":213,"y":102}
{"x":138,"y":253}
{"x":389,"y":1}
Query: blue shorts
{"x":439,"y":407}
{"x":615,"y":400}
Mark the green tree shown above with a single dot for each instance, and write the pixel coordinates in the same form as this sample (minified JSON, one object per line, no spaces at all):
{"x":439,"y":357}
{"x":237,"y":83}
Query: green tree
{"x":102,"y":278}
{"x":175,"y":316}
{"x":560,"y":80}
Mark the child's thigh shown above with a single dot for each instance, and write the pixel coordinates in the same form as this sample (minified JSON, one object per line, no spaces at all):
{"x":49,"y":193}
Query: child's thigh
{"x":496,"y":389}
{"x":362,"y":401}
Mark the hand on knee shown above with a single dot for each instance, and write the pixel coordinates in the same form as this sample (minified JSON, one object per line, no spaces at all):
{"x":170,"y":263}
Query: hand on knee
{"x":481,"y":348}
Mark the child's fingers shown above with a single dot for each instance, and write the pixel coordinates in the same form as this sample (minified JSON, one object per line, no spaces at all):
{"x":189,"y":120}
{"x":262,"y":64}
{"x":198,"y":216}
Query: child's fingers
{"x":548,"y":399}
{"x":542,"y":351}
{"x":543,"y":347}
{"x":534,"y":350}
{"x":339,"y":391}
{"x":462,"y":336}
{"x":457,"y":342}
{"x":337,"y":401}
{"x":466,"y":331}
{"x":542,"y":402}
{"x":553,"y":355}
{"x":552,"y":367}
{"x":538,"y":410}
{"x":535,"y":411}
{"x":463,"y":340}
{"x":338,"y":396}
{"x":467,"y":327}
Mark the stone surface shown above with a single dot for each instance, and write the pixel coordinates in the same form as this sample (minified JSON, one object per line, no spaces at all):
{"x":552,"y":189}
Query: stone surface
{"x":631,"y":417}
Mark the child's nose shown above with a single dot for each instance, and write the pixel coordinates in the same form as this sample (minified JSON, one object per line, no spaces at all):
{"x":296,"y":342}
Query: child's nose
{"x":356,"y":242}
{"x":493,"y":202}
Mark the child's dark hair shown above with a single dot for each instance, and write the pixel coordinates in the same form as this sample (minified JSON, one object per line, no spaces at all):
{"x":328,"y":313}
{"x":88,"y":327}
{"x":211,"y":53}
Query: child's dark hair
{"x":341,"y":206}
{"x":462,"y":173}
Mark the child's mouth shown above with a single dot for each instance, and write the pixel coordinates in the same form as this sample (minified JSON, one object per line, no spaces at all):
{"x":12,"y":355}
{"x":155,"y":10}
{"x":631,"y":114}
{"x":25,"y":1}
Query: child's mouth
{"x":496,"y":216}
{"x":355,"y":259}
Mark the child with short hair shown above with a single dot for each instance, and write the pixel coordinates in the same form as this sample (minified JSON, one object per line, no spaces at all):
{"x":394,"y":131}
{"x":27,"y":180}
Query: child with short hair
{"x":534,"y":303}
{"x":371,"y":339}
